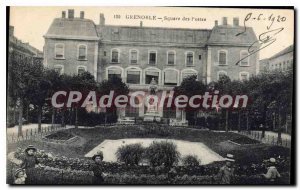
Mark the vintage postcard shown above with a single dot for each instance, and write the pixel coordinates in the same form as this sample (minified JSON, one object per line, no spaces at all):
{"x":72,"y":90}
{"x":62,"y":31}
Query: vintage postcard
{"x":150,"y":95}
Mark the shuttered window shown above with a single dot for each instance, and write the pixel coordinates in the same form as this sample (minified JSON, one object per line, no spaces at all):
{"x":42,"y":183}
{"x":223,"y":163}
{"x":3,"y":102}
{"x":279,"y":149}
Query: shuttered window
{"x":170,"y":77}
{"x":133,"y":77}
{"x":222,"y":58}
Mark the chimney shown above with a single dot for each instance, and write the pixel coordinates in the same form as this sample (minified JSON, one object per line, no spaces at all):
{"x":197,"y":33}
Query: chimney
{"x":141,"y":23}
{"x":216,"y":23}
{"x":224,"y":20}
{"x":71,"y":13}
{"x":81,"y":14}
{"x":102,"y":19}
{"x":63,"y":14}
{"x":11,"y":30}
{"x":236,"y":21}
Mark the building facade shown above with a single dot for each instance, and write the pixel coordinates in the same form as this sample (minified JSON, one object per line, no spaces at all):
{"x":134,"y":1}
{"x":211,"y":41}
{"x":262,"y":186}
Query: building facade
{"x":21,"y":51}
{"x":281,"y":61}
{"x":139,"y":54}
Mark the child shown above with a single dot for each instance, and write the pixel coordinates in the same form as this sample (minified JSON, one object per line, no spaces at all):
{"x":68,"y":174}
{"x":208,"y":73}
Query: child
{"x":20,"y":176}
{"x":226,"y":172}
{"x":97,"y":168}
{"x":29,"y":163}
{"x":272,"y":173}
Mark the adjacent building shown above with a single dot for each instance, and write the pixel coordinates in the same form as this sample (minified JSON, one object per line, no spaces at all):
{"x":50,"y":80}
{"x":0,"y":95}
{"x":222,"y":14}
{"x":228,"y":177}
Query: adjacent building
{"x":137,"y":54}
{"x":282,"y":61}
{"x":21,"y":51}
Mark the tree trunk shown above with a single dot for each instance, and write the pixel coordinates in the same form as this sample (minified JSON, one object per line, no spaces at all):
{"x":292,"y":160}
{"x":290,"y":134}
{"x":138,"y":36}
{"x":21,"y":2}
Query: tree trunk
{"x":239,"y":121}
{"x":76,"y":118}
{"x":53,"y":117}
{"x":226,"y":121}
{"x":63,"y":117}
{"x":247,"y":121}
{"x":20,"y":132}
{"x":14,"y":120}
{"x":39,"y":118}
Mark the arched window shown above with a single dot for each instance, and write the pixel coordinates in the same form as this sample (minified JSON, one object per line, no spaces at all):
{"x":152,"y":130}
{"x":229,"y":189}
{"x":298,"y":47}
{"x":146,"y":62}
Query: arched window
{"x":82,"y":51}
{"x":114,"y":71}
{"x":171,"y":58}
{"x":152,"y":57}
{"x":115,"y":56}
{"x":81,"y":69}
{"x":244,"y":57}
{"x":59,"y":51}
{"x":244,"y":76}
{"x":189,"y":59}
{"x":152,"y":73}
{"x":133,"y":56}
{"x":133,"y":75}
{"x":220,"y":74}
{"x":222,"y":57}
{"x":59,"y":69}
{"x":187,"y":73}
{"x":170,"y":77}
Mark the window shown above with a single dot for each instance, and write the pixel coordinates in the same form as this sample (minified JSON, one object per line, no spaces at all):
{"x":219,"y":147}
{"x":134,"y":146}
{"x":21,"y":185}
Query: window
{"x":133,"y":56}
{"x":114,"y":73}
{"x":244,"y":76}
{"x":82,"y":51}
{"x":244,"y":58}
{"x":222,"y":57}
{"x":81,"y":69}
{"x":133,"y":77}
{"x":104,"y":53}
{"x":115,"y":56}
{"x":171,"y":58}
{"x":152,"y":57}
{"x":59,"y":69}
{"x":170,"y":77}
{"x":187,"y":73}
{"x":59,"y":51}
{"x":149,"y":75}
{"x":189,"y":59}
{"x":221,"y":73}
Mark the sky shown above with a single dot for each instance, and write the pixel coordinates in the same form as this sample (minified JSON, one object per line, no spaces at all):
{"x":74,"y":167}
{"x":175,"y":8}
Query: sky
{"x":31,"y":23}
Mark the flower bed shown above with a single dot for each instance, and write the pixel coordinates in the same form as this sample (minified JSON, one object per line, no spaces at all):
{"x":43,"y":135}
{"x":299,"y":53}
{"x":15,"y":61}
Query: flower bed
{"x":244,"y":141}
{"x":60,"y":135}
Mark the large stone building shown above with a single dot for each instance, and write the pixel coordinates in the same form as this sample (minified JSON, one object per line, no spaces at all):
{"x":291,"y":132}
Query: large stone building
{"x":138,"y":53}
{"x":282,"y":61}
{"x":21,"y":51}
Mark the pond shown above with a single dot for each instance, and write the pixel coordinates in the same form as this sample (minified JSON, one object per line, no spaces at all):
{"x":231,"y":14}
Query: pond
{"x":204,"y":153}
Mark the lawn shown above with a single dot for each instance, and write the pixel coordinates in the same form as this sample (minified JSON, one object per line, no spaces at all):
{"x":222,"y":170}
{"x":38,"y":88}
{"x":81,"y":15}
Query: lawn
{"x":217,"y":141}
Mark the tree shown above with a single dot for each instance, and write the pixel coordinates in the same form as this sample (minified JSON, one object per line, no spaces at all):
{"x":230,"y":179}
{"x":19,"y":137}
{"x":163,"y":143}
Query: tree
{"x":115,"y":84}
{"x":84,"y":83}
{"x":189,"y":87}
{"x":22,"y":75}
{"x":224,"y":87}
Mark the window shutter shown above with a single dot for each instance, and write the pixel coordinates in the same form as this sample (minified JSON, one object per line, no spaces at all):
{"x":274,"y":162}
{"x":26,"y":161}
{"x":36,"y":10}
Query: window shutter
{"x":170,"y":76}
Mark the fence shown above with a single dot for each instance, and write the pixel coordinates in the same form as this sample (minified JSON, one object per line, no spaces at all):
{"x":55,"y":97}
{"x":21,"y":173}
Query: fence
{"x":268,"y":139}
{"x":32,"y":134}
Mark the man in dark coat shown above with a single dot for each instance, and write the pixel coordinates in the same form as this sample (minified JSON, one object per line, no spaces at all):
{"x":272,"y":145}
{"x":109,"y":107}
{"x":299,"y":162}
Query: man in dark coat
{"x":97,"y":168}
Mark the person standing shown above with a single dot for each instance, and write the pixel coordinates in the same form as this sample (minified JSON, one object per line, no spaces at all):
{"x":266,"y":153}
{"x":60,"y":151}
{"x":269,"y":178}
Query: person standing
{"x":226,"y":173}
{"x":97,"y":168}
{"x":29,"y":163}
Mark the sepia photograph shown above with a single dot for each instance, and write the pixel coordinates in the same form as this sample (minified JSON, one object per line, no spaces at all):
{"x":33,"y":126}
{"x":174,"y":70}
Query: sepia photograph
{"x":150,"y":95}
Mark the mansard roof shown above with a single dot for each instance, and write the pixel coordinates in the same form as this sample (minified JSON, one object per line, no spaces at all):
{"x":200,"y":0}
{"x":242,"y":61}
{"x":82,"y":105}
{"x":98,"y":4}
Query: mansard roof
{"x":284,"y":51}
{"x":227,"y":35}
{"x":196,"y":37}
{"x":76,"y":28}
